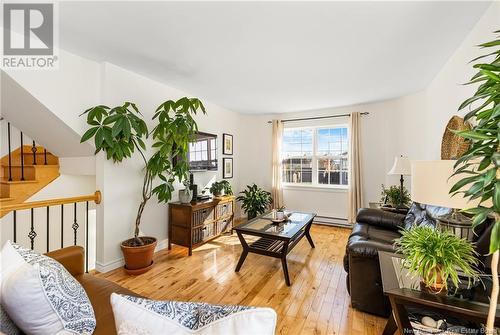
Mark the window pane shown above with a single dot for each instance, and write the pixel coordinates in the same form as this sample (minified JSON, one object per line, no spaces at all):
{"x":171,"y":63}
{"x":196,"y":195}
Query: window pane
{"x":297,"y":170}
{"x":297,"y":151}
{"x":333,"y":164}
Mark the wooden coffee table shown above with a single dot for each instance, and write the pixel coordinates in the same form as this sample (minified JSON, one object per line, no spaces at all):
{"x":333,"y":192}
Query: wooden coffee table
{"x":276,"y":239}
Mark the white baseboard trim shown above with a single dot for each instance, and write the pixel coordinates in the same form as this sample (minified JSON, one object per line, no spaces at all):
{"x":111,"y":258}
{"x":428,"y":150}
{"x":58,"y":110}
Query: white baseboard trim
{"x":117,"y":263}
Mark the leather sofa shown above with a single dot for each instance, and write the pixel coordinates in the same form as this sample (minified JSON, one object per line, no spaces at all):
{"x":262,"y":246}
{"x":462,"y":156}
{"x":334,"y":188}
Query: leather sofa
{"x":98,"y":290}
{"x":375,"y":230}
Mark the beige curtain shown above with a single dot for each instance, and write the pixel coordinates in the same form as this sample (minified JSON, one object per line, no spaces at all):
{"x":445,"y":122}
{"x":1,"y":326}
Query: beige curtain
{"x":355,"y":200}
{"x":277,"y":190}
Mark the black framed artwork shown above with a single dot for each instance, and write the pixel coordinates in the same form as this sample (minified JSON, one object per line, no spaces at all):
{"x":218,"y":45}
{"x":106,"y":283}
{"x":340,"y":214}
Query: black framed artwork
{"x":227,"y":168}
{"x":227,"y":144}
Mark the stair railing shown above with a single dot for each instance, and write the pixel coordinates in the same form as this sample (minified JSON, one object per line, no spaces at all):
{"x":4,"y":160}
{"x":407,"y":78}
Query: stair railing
{"x":32,"y":206}
{"x":34,"y":150}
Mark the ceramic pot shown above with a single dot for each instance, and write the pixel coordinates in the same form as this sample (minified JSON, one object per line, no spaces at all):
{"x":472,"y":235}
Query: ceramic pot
{"x":439,"y":287}
{"x":138,"y":258}
{"x":185,"y":196}
{"x":280,"y":215}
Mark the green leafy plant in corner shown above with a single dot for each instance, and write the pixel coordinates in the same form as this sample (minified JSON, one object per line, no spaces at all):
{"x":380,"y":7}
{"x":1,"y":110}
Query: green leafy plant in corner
{"x":121,"y":130}
{"x":479,"y":165}
{"x":436,"y":256}
{"x":254,"y":200}
{"x":394,"y":197}
{"x":218,"y":186}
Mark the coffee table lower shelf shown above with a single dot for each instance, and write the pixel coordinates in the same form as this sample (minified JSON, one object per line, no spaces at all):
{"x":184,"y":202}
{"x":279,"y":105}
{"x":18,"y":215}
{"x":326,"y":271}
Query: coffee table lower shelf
{"x":275,"y":246}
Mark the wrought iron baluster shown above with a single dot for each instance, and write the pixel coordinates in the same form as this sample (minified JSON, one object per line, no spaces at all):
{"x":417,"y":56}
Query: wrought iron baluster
{"x":44,"y":156}
{"x":75,"y":224}
{"x":48,"y":229}
{"x":10,"y":152}
{"x":22,"y":157}
{"x":15,"y":226}
{"x":32,"y":234}
{"x":62,"y":225}
{"x":33,"y":149}
{"x":87,"y":238}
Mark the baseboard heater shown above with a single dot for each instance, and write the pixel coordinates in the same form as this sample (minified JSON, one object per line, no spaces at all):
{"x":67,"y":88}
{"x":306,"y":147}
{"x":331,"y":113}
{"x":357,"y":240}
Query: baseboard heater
{"x":332,"y":221}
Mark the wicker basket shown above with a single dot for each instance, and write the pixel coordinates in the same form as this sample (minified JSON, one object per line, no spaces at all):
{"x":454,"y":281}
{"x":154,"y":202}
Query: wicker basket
{"x":452,"y":145}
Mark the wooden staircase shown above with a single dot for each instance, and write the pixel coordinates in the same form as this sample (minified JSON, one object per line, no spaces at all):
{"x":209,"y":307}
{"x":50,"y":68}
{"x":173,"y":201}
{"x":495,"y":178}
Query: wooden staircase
{"x":29,"y":173}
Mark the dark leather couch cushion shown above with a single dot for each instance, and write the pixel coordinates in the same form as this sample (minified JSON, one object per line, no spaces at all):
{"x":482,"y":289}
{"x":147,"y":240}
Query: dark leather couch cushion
{"x":380,"y":218}
{"x":367,"y":240}
{"x":99,"y":292}
{"x":424,"y":215}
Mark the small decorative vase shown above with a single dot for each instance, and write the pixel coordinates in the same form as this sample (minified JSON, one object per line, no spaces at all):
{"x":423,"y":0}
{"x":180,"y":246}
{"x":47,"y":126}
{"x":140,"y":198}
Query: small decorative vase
{"x":280,"y":215}
{"x":185,"y":196}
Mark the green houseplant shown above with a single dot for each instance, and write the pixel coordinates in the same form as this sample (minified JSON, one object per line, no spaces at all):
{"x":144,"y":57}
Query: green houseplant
{"x":394,"y":197}
{"x":254,"y":200}
{"x":479,"y":165}
{"x":436,"y":256}
{"x":218,"y":188}
{"x":121,"y":130}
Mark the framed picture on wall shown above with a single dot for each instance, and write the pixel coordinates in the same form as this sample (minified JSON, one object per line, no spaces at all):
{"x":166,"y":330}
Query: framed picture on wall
{"x":227,"y":168}
{"x":227,"y":144}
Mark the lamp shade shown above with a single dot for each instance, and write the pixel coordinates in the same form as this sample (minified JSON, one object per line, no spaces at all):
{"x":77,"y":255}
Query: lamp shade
{"x":431,"y":184}
{"x":402,"y":165}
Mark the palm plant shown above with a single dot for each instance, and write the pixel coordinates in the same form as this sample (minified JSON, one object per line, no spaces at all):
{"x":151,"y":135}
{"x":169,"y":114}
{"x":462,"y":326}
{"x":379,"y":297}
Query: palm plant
{"x":481,"y":161}
{"x":436,"y":256}
{"x":121,"y":130}
{"x":254,"y":200}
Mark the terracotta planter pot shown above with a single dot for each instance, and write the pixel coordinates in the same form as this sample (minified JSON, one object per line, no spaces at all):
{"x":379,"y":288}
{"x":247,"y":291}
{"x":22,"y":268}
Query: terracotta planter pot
{"x":138,"y":259}
{"x":439,"y":287}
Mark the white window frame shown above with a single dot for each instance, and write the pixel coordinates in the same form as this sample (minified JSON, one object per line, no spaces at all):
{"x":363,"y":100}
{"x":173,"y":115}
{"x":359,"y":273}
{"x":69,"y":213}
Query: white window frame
{"x":314,"y":184}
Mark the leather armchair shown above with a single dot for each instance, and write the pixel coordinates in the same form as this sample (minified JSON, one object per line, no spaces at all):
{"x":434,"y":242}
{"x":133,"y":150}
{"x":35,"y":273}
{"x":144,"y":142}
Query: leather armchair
{"x":376,"y":230}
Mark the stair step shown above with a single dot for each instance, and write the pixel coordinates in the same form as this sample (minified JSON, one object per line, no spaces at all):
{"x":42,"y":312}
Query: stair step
{"x":12,"y":182}
{"x":18,"y":166}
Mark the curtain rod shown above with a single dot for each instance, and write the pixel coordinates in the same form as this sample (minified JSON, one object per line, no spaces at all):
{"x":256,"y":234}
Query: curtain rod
{"x":319,"y":117}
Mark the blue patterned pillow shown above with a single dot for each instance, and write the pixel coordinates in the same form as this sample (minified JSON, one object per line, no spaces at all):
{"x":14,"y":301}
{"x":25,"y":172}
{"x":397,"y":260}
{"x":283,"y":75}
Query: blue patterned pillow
{"x":42,"y":297}
{"x":7,"y":326}
{"x":164,"y":317}
{"x":193,"y":315}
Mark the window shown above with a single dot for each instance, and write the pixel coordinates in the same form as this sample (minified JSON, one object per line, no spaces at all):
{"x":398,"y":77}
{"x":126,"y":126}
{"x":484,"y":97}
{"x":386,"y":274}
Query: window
{"x":202,"y":154}
{"x":315,"y":156}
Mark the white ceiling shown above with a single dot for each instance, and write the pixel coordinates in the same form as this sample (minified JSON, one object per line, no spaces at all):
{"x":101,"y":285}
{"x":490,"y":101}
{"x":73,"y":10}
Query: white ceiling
{"x":272,"y":57}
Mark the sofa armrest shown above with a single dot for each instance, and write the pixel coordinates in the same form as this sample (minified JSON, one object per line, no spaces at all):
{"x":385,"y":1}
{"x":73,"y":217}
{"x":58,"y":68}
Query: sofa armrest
{"x":72,"y":258}
{"x":380,"y":218}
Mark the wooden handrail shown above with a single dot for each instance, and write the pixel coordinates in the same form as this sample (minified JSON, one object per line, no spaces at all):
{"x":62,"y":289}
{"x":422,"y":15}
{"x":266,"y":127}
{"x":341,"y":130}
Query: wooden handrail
{"x":96,"y":197}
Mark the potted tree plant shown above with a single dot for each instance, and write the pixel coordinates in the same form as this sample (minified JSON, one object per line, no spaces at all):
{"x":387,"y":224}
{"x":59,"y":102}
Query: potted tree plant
{"x":254,"y":201}
{"x":121,"y":130}
{"x":481,"y":161}
{"x":436,"y":256}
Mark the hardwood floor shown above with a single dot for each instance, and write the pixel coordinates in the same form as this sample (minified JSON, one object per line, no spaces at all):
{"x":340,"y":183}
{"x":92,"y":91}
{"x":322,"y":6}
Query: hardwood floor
{"x":316,"y":303}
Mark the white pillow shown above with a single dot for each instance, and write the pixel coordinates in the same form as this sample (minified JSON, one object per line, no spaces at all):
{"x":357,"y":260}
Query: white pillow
{"x":41,"y":297}
{"x":179,"y":318}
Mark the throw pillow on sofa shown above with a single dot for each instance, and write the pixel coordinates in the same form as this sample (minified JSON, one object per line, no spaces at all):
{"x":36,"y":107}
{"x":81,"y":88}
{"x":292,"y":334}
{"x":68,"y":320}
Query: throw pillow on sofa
{"x":179,"y":318}
{"x":41,"y":296}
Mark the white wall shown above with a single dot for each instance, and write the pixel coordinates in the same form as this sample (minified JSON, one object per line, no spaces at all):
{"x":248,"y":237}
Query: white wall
{"x":66,"y":91}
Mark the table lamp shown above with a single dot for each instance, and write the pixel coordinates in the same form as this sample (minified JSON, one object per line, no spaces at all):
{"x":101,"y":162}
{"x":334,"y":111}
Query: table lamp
{"x":402,"y":167}
{"x":431,"y":184}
